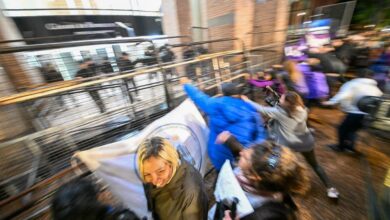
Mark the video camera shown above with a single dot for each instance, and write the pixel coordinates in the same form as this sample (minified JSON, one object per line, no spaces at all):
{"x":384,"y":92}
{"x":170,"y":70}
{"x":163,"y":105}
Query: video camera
{"x":378,"y":113}
{"x":272,"y":97}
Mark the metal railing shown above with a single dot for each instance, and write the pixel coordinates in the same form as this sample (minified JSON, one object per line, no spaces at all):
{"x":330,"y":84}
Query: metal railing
{"x":53,"y":134}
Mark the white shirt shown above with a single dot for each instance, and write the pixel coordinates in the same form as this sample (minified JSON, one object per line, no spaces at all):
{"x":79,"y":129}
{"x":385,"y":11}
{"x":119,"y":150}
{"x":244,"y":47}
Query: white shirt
{"x":351,"y":92}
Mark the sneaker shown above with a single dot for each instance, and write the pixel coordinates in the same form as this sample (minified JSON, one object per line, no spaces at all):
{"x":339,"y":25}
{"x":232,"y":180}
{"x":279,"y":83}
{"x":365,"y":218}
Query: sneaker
{"x":333,"y":193}
{"x":353,"y":151}
{"x":335,"y":147}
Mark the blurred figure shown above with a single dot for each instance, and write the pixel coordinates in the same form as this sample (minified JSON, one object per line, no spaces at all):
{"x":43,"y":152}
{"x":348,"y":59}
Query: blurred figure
{"x":295,"y":80}
{"x":151,"y":59}
{"x":348,"y":96}
{"x":330,"y":65}
{"x":228,"y":112}
{"x":167,"y":56}
{"x":188,"y":54}
{"x":381,"y":68}
{"x":106,"y":66}
{"x":268,"y":173}
{"x":288,"y":127}
{"x":174,"y":188}
{"x":87,"y":69}
{"x":329,"y":62}
{"x":78,"y":200}
{"x":125,"y":65}
{"x":51,"y":75}
{"x":315,"y":80}
{"x":344,"y":50}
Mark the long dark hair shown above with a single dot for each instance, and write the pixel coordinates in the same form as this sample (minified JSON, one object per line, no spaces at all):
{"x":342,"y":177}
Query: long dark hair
{"x":279,"y":169}
{"x":291,"y":102}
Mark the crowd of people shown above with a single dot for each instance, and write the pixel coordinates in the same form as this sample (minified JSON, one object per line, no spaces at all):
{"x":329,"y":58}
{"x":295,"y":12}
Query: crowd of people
{"x":90,"y":69}
{"x":262,"y":142}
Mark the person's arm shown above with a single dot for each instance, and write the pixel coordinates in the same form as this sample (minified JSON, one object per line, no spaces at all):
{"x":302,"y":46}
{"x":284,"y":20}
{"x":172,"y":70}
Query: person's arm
{"x":344,"y":93}
{"x":270,"y":112}
{"x":231,"y":142}
{"x":193,"y":206}
{"x":202,"y":100}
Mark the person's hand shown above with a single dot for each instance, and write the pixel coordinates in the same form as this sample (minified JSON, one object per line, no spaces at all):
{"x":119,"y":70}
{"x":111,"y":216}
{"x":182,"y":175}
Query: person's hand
{"x":245,"y":98}
{"x":184,"y":80}
{"x":227,"y":216}
{"x":222,"y":137}
{"x":326,"y":103}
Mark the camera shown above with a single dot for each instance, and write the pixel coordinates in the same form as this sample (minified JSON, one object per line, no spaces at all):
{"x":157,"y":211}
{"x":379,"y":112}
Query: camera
{"x":378,"y":114}
{"x":272,"y":97}
{"x":224,"y":205}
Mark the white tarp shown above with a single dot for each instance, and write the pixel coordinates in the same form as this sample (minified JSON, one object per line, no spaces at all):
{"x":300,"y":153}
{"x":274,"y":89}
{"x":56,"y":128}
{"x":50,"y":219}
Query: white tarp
{"x":115,"y":163}
{"x":227,"y":187}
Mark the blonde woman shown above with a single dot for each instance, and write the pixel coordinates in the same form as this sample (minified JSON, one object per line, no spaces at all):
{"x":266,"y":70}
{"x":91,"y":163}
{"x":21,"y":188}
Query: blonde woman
{"x":174,"y":188}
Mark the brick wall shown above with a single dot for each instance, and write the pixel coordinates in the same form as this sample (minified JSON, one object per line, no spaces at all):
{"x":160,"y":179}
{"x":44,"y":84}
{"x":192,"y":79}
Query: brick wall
{"x":216,"y":8}
{"x":237,"y":18}
{"x":244,"y":17}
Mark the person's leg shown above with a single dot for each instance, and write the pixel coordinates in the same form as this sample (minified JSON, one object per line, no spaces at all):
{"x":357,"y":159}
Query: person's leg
{"x":99,"y":102}
{"x":127,"y":90}
{"x":60,"y":100}
{"x":134,"y":85}
{"x":312,"y":161}
{"x":355,"y":124}
{"x":343,"y":131}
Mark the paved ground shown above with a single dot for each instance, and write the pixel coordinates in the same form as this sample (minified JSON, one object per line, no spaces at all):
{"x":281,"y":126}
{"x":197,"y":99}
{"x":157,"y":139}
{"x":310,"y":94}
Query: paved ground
{"x":346,"y":172}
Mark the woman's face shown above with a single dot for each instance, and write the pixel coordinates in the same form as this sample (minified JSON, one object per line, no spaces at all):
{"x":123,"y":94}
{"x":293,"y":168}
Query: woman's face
{"x":157,"y":171}
{"x":245,"y":161}
{"x":245,"y":164}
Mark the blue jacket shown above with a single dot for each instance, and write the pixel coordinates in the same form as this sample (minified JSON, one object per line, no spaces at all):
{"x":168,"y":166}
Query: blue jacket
{"x":227,"y":114}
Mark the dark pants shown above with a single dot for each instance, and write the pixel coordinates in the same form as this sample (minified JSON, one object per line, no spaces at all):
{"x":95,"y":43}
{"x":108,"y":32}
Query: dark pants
{"x":127,"y":88}
{"x":96,"y":97}
{"x":310,"y":157}
{"x":347,"y":130}
{"x":131,"y":80}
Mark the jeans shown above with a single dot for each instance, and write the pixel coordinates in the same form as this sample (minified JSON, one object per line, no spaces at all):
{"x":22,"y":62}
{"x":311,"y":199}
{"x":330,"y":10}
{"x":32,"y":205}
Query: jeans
{"x":347,"y":130}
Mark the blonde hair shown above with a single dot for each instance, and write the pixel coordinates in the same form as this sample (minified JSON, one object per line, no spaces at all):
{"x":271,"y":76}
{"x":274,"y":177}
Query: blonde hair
{"x":290,"y":175}
{"x":293,"y":71}
{"x":157,"y":147}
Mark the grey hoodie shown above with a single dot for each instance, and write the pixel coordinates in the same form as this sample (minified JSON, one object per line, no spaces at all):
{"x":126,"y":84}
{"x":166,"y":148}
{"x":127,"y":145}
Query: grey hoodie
{"x":288,"y":131}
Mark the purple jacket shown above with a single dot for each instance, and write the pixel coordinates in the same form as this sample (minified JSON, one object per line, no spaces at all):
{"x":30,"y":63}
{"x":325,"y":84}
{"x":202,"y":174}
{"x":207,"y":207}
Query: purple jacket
{"x":315,"y":84}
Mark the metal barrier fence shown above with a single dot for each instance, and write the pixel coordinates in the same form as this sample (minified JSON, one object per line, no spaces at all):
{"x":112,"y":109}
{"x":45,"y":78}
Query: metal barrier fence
{"x":45,"y":125}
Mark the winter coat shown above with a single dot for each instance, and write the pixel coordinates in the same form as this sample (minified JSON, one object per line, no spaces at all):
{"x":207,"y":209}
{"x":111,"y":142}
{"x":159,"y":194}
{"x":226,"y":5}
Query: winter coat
{"x":183,"y":198}
{"x":227,"y":114}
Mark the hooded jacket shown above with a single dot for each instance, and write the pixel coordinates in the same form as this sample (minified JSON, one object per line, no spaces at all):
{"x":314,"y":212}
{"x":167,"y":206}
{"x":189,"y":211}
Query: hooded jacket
{"x":351,"y":92}
{"x":227,"y":114}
